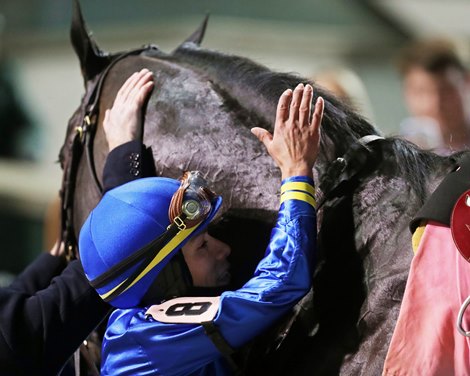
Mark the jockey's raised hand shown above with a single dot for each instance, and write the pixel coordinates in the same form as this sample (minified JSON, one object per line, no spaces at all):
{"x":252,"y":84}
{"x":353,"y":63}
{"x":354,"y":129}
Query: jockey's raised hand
{"x":122,"y":122}
{"x":296,"y":139}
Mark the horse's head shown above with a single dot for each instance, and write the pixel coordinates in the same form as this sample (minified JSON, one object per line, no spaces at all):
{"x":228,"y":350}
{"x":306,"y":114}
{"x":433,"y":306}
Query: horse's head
{"x":199,"y":116}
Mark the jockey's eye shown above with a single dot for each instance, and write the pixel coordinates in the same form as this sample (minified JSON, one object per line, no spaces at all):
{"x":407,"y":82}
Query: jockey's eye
{"x":203,"y":245}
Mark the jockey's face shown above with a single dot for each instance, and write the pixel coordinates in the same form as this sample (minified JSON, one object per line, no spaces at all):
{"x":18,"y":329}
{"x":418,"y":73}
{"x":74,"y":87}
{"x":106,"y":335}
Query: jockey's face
{"x":206,"y":258}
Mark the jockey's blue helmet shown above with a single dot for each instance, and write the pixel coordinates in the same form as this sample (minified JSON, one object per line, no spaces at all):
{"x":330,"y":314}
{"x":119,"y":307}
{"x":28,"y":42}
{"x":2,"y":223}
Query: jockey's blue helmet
{"x":136,"y":229}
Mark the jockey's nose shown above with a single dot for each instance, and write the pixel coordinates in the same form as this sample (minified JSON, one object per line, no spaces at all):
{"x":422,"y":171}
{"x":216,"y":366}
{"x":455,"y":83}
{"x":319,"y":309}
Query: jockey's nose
{"x":225,"y":250}
{"x":221,"y":250}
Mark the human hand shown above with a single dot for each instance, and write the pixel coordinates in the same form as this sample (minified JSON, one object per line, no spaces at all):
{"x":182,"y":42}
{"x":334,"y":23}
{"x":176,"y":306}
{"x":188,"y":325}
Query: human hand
{"x":58,"y":249}
{"x":296,"y":140}
{"x":122,"y":122}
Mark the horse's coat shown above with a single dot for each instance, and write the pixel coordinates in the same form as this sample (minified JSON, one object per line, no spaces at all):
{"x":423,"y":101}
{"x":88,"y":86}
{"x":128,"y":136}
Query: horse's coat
{"x":199,"y":116}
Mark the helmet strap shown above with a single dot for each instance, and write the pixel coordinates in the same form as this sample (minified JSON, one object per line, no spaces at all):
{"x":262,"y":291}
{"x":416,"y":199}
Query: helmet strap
{"x":145,"y":255}
{"x":173,"y":281}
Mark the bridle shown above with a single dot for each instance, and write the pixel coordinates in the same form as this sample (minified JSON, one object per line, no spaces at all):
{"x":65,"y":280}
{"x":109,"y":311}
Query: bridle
{"x":82,"y":142}
{"x":341,"y":173}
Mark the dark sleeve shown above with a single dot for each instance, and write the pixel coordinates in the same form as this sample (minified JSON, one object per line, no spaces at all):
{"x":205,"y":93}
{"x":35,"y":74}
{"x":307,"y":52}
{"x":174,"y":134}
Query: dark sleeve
{"x":38,"y":274}
{"x":438,"y":207}
{"x":39,"y":332}
{"x":127,"y":162}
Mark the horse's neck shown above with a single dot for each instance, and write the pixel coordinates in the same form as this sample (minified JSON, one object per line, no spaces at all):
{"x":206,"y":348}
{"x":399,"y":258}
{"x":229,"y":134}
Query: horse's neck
{"x":385,"y":204}
{"x":254,"y":86}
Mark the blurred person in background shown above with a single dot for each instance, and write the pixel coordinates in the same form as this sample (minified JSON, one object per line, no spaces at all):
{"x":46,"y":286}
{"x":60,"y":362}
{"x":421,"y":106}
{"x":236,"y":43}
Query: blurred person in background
{"x":436,"y":88}
{"x":16,"y":126}
{"x":347,"y":86}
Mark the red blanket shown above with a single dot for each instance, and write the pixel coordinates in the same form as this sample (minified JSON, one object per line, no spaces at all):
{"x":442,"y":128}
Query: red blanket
{"x":426,"y":340}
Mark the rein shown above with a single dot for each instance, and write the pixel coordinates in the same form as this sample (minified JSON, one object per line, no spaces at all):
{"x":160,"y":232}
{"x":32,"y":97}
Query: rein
{"x":341,"y":172}
{"x":83,"y":142}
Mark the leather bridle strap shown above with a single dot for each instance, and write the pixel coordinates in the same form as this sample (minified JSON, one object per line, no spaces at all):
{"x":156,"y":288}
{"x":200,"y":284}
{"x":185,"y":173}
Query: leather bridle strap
{"x":343,"y":170}
{"x":90,"y":119}
{"x":83,"y":141}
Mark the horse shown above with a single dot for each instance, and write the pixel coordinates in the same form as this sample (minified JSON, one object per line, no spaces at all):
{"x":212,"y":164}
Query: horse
{"x":198,"y":117}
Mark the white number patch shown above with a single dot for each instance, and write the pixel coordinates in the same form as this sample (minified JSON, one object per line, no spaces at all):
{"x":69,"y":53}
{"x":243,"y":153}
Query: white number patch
{"x":185,"y":310}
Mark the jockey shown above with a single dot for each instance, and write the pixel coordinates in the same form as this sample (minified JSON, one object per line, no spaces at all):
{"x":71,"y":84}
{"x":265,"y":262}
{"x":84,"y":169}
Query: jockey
{"x":146,"y":250}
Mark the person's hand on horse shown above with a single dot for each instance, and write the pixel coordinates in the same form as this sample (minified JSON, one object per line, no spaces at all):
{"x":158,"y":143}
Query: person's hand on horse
{"x":122,"y":122}
{"x":296,"y":139}
{"x":58,"y":249}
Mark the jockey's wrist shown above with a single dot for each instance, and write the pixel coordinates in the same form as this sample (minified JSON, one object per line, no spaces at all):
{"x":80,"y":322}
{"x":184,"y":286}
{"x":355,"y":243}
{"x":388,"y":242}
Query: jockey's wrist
{"x":114,"y":143}
{"x":296,"y":171}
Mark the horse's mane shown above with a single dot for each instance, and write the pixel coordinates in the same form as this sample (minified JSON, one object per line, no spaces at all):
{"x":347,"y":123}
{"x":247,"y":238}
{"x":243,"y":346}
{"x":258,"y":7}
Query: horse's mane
{"x":254,"y":87}
{"x":423,"y":169}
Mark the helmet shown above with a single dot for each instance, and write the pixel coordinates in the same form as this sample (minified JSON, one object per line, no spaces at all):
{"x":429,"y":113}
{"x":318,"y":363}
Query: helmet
{"x":136,"y":229}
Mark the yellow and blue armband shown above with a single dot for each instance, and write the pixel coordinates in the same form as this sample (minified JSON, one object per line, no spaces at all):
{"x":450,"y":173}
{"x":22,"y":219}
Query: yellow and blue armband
{"x":298,"y":190}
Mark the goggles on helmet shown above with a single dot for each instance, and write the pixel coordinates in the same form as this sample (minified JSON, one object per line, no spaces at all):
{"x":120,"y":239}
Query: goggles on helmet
{"x":192,"y":201}
{"x":189,"y":207}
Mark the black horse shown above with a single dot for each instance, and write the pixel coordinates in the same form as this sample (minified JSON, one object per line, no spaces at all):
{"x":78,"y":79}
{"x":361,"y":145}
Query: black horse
{"x":198,"y":117}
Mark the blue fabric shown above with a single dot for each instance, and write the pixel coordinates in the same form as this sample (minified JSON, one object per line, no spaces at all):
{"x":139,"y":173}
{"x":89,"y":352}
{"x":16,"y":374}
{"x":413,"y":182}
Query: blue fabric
{"x":127,"y":218}
{"x":136,"y":345}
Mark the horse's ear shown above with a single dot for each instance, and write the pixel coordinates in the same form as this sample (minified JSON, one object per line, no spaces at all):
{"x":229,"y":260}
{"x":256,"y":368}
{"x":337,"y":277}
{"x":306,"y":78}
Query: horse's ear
{"x":198,"y":35}
{"x":92,"y":59}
